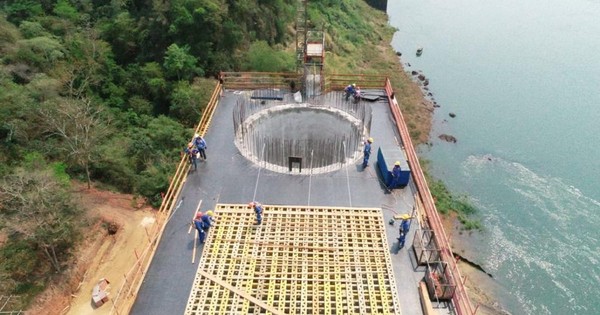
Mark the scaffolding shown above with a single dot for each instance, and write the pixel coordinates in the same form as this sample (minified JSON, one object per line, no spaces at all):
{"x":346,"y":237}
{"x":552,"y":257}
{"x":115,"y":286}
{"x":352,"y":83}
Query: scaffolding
{"x":425,"y":247}
{"x":439,"y":280}
{"x":300,"y":260}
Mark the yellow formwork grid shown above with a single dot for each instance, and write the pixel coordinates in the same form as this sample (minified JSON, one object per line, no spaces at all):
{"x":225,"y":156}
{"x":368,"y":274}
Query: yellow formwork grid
{"x":300,"y":260}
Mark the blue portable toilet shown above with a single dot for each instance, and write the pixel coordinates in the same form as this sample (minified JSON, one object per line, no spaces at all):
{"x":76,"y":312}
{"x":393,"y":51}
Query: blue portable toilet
{"x":386,"y":157}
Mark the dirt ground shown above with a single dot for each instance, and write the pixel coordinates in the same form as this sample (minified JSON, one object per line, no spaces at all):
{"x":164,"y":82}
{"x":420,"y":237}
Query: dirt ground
{"x":100,"y":255}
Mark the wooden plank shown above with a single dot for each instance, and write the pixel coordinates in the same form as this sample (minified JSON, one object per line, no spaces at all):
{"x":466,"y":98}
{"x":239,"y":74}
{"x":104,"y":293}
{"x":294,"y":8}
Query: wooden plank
{"x":425,"y":301}
{"x":195,"y":213}
{"x":240,"y":293}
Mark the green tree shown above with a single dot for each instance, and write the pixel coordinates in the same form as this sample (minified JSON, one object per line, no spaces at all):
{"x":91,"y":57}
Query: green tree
{"x":179,"y":63}
{"x":65,"y":10}
{"x":184,"y":103}
{"x":23,"y":9}
{"x":41,"y":51}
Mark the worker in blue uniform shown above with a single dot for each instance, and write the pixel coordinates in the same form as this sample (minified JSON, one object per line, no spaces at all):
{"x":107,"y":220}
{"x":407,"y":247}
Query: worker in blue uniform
{"x":350,"y":90}
{"x":207,"y":218}
{"x":395,"y":180}
{"x":367,"y":152}
{"x":404,"y":227}
{"x":258,"y":210}
{"x":199,"y":224}
{"x":200,"y":144}
{"x":191,"y":152}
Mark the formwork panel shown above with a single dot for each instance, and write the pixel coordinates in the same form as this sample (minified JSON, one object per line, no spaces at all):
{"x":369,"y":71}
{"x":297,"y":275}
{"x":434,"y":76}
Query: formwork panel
{"x":300,"y":260}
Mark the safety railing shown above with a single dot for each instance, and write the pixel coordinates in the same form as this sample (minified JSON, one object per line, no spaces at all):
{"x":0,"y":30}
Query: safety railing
{"x":460,"y":298}
{"x":123,"y":301}
{"x":337,"y":82}
{"x":260,"y":80}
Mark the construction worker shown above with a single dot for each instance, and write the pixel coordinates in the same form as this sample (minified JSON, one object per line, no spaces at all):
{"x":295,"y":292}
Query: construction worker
{"x":258,"y":210}
{"x":404,"y":227}
{"x":200,"y":144}
{"x":367,"y":152}
{"x":191,"y":152}
{"x":395,"y":180}
{"x":356,"y":94}
{"x":207,"y":218}
{"x":199,"y":224}
{"x":350,"y":90}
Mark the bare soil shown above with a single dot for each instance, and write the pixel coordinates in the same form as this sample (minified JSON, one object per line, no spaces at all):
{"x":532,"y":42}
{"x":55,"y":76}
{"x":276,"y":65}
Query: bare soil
{"x":100,"y":255}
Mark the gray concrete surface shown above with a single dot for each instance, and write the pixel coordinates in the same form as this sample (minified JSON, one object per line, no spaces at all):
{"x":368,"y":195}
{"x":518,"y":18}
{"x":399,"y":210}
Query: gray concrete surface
{"x":228,"y":177}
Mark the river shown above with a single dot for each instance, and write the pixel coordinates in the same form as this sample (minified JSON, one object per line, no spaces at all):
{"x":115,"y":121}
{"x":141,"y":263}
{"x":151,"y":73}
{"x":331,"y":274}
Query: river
{"x":523,"y":78}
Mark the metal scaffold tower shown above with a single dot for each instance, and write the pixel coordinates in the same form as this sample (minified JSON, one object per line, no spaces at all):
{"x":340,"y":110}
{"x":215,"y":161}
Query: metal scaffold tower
{"x":310,"y":52}
{"x":301,"y":30}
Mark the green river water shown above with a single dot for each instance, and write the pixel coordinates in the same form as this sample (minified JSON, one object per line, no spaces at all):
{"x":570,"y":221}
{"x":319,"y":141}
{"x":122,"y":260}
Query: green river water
{"x":523,"y":78}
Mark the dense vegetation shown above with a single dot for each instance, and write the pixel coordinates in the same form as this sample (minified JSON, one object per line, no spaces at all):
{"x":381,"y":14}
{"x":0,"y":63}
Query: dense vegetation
{"x":106,"y":92}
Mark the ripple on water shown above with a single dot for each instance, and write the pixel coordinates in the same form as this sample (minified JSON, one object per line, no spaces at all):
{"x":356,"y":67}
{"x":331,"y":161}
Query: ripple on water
{"x":549,"y":245}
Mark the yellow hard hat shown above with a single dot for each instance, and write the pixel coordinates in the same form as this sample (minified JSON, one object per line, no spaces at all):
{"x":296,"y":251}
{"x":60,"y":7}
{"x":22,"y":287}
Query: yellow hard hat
{"x":196,"y":135}
{"x":370,"y":140}
{"x":354,"y":84}
{"x":405,"y":216}
{"x":397,"y":163}
{"x":210,"y":213}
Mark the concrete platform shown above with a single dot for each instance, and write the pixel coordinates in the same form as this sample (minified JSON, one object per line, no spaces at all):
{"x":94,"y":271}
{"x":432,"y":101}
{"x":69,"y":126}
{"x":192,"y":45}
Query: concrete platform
{"x":228,"y":177}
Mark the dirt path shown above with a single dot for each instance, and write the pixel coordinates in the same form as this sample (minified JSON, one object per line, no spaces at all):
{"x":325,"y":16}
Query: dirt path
{"x":100,"y":255}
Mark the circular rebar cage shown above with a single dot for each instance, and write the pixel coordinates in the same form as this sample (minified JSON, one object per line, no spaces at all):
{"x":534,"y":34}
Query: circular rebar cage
{"x":301,"y":138}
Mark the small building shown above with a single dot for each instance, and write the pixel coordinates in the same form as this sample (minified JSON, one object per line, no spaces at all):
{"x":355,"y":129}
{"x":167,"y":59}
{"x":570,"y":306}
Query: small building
{"x":386,"y":157}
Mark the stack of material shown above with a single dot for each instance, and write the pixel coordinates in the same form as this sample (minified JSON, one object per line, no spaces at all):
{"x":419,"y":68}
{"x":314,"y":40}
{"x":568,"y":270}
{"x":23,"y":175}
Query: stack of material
{"x":100,"y":292}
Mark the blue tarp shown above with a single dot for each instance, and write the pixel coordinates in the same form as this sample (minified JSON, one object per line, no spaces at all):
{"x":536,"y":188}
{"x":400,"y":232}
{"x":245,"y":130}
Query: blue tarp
{"x":386,"y":157}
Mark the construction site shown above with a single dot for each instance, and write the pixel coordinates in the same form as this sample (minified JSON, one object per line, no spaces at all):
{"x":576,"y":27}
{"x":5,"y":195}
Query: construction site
{"x":328,"y":242}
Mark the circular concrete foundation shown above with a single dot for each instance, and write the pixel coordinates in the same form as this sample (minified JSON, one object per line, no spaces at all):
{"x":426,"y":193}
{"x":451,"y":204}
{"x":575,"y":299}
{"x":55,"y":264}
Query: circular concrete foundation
{"x":321,"y":139}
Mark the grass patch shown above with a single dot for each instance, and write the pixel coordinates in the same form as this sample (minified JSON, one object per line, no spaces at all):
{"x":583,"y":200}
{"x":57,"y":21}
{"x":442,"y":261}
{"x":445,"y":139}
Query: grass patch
{"x":446,"y":202}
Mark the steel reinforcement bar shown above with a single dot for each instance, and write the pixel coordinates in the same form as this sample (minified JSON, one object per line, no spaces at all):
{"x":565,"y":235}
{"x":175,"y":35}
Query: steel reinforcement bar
{"x":461,"y":300}
{"x":123,"y":301}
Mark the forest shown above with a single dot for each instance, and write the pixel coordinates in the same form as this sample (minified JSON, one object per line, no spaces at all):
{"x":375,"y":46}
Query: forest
{"x":106,"y":93}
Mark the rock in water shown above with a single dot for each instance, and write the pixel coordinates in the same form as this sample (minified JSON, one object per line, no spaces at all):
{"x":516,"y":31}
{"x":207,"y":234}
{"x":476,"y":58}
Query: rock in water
{"x":447,"y":138}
